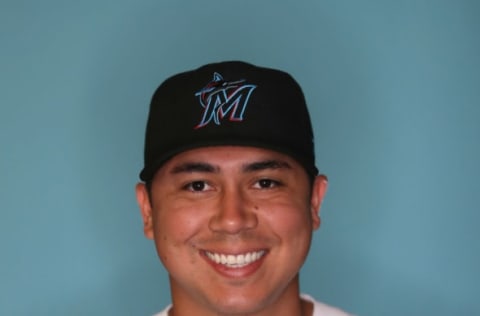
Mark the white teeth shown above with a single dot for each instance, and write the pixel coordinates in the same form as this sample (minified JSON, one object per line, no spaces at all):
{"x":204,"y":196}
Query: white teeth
{"x":235,"y":261}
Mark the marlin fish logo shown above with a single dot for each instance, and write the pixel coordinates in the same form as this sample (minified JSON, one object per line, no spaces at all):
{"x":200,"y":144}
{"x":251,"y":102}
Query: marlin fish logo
{"x":219,"y":98}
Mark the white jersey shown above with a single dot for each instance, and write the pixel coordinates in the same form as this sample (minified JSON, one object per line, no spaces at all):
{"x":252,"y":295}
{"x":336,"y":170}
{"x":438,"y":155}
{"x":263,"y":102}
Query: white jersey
{"x":319,"y":309}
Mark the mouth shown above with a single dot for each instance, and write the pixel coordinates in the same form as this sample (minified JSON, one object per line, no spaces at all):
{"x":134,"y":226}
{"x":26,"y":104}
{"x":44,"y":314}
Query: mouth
{"x":235,"y":261}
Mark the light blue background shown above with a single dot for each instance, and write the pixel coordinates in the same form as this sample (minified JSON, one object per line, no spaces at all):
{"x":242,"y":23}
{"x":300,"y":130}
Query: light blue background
{"x":394,"y":92}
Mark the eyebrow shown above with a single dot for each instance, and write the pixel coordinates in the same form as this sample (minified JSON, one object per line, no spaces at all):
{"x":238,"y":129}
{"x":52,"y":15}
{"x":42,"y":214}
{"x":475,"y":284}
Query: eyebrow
{"x":265,"y":165}
{"x":190,"y":167}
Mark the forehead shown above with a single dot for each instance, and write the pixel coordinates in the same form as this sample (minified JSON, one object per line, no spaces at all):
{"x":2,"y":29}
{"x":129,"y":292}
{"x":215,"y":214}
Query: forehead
{"x":224,"y":157}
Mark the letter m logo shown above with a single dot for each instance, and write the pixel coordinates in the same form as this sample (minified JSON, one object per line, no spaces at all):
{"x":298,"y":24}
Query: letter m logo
{"x":220,"y":99}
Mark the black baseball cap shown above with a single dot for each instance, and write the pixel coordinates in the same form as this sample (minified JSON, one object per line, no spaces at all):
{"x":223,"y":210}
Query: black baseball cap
{"x":228,"y":103}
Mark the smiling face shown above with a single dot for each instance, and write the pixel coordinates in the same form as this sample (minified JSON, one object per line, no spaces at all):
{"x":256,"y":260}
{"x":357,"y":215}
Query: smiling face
{"x":232,"y":226}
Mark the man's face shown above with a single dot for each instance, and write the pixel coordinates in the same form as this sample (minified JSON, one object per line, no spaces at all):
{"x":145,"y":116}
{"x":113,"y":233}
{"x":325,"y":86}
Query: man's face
{"x":232,"y":226}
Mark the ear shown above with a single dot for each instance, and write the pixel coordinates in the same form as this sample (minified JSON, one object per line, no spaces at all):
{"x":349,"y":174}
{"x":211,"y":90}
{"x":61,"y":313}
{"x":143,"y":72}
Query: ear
{"x":319,"y":189}
{"x":145,"y":206}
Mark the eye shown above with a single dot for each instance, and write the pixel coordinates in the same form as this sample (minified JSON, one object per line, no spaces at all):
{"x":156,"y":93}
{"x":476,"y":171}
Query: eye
{"x":197,"y":186}
{"x":266,"y":184}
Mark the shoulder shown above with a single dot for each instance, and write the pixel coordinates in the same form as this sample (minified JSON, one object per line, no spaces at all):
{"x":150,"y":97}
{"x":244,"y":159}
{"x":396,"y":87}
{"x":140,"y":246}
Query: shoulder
{"x":322,"y":309}
{"x":164,"y":312}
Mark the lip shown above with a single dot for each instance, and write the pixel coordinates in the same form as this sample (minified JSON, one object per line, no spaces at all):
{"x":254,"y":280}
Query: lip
{"x":242,"y":271}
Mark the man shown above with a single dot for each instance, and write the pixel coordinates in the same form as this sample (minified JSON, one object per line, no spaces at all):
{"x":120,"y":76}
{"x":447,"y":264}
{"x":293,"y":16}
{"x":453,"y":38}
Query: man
{"x":231,"y":194}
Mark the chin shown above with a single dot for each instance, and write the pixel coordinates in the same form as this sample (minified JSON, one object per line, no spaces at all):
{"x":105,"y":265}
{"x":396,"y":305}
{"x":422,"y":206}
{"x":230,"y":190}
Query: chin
{"x":238,"y":306}
{"x":236,"y":309}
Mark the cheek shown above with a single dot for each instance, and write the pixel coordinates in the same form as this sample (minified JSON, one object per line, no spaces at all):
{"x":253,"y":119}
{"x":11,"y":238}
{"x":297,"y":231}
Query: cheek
{"x":290,"y":217}
{"x":174,"y":227}
{"x":292,"y":226}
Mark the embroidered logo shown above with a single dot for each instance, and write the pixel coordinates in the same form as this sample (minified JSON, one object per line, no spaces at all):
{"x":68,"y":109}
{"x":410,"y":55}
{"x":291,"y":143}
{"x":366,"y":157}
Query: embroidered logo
{"x":220,"y":98}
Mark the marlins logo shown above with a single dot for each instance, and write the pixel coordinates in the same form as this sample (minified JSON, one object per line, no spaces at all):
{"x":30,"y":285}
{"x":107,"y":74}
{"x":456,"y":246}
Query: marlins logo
{"x":220,"y":98}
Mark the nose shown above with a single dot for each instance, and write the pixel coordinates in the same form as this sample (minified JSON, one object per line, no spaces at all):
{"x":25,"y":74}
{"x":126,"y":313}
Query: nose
{"x":234,"y":213}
